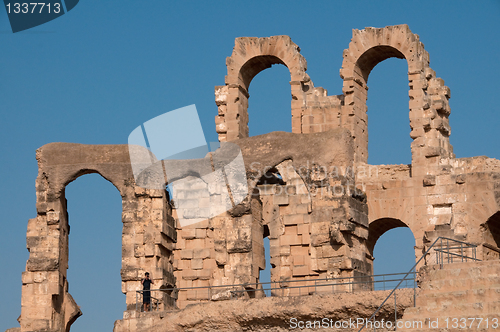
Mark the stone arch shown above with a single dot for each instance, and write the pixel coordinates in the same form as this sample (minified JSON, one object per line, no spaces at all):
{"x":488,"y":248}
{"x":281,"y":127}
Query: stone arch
{"x":429,"y":107}
{"x":47,"y":235}
{"x":491,"y":237}
{"x":65,"y":162}
{"x":86,"y":171}
{"x":379,"y":227}
{"x":494,"y":227}
{"x":250,"y":56}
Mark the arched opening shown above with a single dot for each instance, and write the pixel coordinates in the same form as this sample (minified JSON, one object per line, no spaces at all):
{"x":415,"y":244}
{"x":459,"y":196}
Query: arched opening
{"x":392,"y":245}
{"x":493,"y":224}
{"x":375,"y":55}
{"x":250,"y":57}
{"x":95,"y":246}
{"x":269,"y":103}
{"x":389,"y":141}
{"x":492,"y":237}
{"x":266,"y":189}
{"x":393,"y":96}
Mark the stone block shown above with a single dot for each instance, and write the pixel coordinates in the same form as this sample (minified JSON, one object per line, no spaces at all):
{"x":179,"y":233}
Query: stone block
{"x":280,"y":199}
{"x":291,"y":230}
{"x":328,"y":251}
{"x":195,"y":244}
{"x":39,"y":277}
{"x":35,"y":324}
{"x":429,"y":180}
{"x":361,"y":232}
{"x":149,"y":249}
{"x":302,"y":208}
{"x":286,"y":260}
{"x":201,"y":253}
{"x":184,"y":264}
{"x":197,"y":264}
{"x":209,"y":242}
{"x":202,"y":223}
{"x":322,"y":264}
{"x":52,"y":217}
{"x":299,"y":260}
{"x":54,"y":288}
{"x":289,"y":240}
{"x":299,"y":250}
{"x":319,"y":239}
{"x":239,"y":240}
{"x":41,"y":263}
{"x":285,"y":272}
{"x":190,"y":274}
{"x":129,"y":274}
{"x":221,"y":257}
{"x":27,"y":277}
{"x":299,"y":271}
{"x":204,"y":274}
{"x":293,"y":219}
{"x":188,"y":233}
{"x":303,"y":229}
{"x":186,"y":254}
{"x":284,"y":250}
{"x":306,"y":239}
{"x":320,"y":227}
{"x":209,"y":264}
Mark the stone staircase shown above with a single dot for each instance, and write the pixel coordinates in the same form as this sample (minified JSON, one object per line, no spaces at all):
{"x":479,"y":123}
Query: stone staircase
{"x":456,"y":298}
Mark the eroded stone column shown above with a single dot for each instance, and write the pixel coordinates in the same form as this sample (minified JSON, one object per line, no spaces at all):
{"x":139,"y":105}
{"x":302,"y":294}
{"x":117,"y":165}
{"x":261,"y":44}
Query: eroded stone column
{"x":148,"y":236}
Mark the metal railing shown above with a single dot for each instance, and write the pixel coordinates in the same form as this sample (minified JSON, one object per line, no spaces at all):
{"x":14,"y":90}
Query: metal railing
{"x":457,"y":251}
{"x":154,"y":304}
{"x":442,"y":253}
{"x":286,"y":288}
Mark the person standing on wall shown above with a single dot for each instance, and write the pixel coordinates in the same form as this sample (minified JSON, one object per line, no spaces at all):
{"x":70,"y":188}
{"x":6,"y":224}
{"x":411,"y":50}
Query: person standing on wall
{"x":146,"y":294}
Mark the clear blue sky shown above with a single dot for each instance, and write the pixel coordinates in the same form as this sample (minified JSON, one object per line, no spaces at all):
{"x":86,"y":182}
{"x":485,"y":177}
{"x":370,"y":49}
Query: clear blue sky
{"x":96,"y":73}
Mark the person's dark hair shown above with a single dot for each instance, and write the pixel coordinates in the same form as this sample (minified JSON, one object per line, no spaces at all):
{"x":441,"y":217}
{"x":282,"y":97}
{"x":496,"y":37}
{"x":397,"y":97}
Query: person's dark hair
{"x":147,"y":273}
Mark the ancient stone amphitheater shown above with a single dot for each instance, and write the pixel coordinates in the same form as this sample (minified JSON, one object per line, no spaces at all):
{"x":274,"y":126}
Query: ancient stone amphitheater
{"x":311,"y":192}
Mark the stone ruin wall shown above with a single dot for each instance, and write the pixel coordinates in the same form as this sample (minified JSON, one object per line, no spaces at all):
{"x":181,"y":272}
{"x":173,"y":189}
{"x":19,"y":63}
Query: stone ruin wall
{"x":312,"y":235}
{"x":435,"y":191}
{"x":313,"y":232}
{"x":147,"y":238}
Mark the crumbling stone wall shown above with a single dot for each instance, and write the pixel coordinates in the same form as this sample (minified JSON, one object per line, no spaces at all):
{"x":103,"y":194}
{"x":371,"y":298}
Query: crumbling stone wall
{"x":457,"y":199}
{"x":147,"y":238}
{"x":314,"y":111}
{"x":432,"y":196}
{"x":314,"y":231}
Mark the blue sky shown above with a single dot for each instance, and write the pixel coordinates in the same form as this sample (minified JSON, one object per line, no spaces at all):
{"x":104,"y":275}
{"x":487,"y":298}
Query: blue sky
{"x":96,"y":73}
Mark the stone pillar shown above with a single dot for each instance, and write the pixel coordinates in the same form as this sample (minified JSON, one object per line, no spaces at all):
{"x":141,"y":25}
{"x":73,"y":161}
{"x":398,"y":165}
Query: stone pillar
{"x":354,"y":113}
{"x":46,"y":304}
{"x":148,"y":236}
{"x":429,"y":111}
